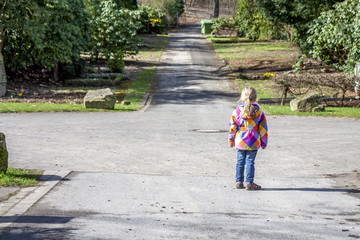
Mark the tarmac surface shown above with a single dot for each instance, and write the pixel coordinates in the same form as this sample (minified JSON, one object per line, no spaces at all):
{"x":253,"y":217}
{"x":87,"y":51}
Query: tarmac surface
{"x":166,"y":172}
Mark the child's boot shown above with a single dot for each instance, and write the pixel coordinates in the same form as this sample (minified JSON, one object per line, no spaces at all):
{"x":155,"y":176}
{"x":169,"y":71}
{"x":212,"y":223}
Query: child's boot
{"x":239,"y":185}
{"x":252,"y":186}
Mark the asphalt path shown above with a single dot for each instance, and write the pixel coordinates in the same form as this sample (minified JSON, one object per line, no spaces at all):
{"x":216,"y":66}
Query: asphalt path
{"x":166,"y":172}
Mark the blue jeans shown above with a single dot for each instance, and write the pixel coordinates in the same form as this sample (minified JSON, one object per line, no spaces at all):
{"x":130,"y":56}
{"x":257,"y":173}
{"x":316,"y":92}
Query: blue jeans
{"x":245,"y":157}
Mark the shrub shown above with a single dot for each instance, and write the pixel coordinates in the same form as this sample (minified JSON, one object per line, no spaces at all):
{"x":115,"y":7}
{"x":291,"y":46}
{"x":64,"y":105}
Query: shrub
{"x":223,"y":23}
{"x":116,"y":63}
{"x":153,"y":20}
{"x":300,"y":84}
{"x":114,"y":31}
{"x":170,"y":7}
{"x":92,"y":82}
{"x":334,"y":36}
{"x":73,"y":70}
{"x":297,"y":14}
{"x":42,"y":32}
{"x":252,"y":24}
{"x":174,"y":8}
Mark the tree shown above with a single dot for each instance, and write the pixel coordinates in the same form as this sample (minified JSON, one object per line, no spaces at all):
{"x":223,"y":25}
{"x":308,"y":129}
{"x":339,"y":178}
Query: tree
{"x":44,"y":32}
{"x":216,"y":8}
{"x":65,"y":35}
{"x":9,"y":20}
{"x":130,"y":4}
{"x":334,"y":36}
{"x":296,"y":13}
{"x":153,"y":20}
{"x":3,"y":81}
{"x":171,"y":7}
{"x":252,"y":24}
{"x":113,"y":31}
{"x":249,"y":19}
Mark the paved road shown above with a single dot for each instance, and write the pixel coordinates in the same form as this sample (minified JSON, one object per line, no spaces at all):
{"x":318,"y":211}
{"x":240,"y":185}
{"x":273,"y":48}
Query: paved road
{"x":167,"y":172}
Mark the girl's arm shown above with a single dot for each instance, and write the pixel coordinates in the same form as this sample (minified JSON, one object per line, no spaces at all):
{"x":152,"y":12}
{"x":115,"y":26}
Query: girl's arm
{"x":263,"y":130}
{"x":233,"y":129}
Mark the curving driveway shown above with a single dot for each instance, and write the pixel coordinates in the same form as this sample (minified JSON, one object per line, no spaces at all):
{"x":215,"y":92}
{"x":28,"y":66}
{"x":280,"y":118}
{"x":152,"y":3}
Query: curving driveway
{"x":166,"y":172}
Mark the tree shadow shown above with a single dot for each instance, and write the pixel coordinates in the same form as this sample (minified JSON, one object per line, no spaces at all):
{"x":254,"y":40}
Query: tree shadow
{"x":32,"y":233}
{"x":36,"y":219}
{"x":203,"y":97}
{"x":311,"y":190}
{"x":49,"y":178}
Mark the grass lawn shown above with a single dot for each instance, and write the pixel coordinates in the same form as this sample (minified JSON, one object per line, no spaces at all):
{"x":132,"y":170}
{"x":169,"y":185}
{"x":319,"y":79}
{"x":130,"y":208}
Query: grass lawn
{"x":14,"y":107}
{"x":138,"y":89}
{"x":255,"y":50}
{"x":329,"y":111}
{"x":245,"y":58}
{"x":15,"y":177}
{"x":227,"y":39}
{"x":134,"y":94}
{"x":134,"y":91}
{"x":264,"y":88}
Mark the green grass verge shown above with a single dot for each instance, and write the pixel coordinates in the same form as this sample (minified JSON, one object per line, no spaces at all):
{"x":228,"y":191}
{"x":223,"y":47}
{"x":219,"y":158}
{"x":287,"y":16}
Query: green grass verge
{"x":15,"y":177}
{"x":93,"y":82}
{"x":254,"y":46}
{"x":236,"y":52}
{"x":329,"y":111}
{"x":139,"y":88}
{"x":254,"y":50}
{"x":263,"y":88}
{"x":227,"y":39}
{"x":155,"y":42}
{"x":75,"y":89}
{"x":134,"y":95}
{"x":15,"y":107}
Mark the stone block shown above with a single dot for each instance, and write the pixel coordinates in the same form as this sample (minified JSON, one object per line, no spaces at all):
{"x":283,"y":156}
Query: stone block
{"x":101,"y":99}
{"x":320,"y":108}
{"x":3,"y":154}
{"x":309,"y":103}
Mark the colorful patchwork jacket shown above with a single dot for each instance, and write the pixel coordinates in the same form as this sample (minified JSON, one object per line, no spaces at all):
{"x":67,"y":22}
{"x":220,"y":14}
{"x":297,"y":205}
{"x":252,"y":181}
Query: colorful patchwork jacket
{"x":248,"y":133}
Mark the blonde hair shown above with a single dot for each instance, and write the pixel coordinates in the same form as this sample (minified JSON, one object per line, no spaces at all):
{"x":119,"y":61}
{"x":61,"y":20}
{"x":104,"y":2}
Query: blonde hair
{"x":248,"y":95}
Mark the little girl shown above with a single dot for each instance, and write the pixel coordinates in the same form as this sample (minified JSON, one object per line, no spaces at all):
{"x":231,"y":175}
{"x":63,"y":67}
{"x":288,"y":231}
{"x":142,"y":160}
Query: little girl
{"x":248,"y":132}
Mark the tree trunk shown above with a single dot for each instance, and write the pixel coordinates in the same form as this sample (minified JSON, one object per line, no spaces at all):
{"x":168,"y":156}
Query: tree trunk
{"x":283,"y":100}
{"x":3,"y":80}
{"x":55,"y":72}
{"x":216,"y":8}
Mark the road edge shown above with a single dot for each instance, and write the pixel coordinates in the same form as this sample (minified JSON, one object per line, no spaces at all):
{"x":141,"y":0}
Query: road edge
{"x":17,"y":205}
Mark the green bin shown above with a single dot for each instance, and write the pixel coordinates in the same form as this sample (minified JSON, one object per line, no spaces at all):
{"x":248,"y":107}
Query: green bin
{"x":206,"y":26}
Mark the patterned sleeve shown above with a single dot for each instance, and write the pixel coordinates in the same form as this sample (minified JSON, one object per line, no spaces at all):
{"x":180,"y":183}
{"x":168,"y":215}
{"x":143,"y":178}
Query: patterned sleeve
{"x":263,"y":129}
{"x":233,"y":129}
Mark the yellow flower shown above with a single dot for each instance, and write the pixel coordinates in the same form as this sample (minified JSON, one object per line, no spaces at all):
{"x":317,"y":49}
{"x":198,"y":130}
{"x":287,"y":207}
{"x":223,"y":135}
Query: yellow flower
{"x":20,"y":94}
{"x":269,"y":75}
{"x":155,"y":20}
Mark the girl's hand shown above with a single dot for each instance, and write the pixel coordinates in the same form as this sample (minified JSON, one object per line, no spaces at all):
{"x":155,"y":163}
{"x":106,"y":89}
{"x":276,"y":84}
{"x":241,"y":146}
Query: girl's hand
{"x":231,"y":144}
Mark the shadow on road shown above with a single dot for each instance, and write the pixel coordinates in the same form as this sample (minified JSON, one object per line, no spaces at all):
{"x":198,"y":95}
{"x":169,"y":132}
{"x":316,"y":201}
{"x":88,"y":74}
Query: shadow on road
{"x":192,"y":97}
{"x":22,"y":233}
{"x":310,"y":189}
{"x":37,"y":219}
{"x":49,"y":178}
